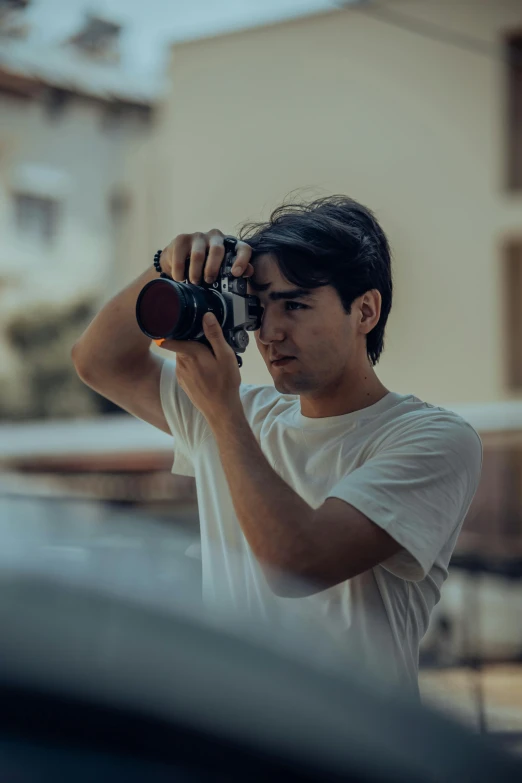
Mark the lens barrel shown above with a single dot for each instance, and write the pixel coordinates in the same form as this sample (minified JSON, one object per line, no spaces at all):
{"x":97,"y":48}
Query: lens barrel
{"x":174,"y":311}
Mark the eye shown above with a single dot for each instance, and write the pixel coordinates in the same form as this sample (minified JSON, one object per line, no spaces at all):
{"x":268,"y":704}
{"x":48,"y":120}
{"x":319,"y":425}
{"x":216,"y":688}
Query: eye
{"x":296,"y":304}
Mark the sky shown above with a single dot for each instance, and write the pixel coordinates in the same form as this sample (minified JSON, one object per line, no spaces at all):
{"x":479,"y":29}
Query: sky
{"x":151,"y":25}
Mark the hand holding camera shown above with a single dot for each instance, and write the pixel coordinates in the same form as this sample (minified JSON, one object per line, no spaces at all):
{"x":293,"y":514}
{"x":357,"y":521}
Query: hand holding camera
{"x":203,"y":254}
{"x":168,"y":308}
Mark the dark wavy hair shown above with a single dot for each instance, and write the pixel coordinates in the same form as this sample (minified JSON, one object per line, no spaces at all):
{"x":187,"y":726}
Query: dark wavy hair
{"x":334,"y":241}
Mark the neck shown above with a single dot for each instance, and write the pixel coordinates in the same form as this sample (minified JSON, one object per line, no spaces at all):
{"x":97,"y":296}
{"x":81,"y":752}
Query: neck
{"x":353,"y":393}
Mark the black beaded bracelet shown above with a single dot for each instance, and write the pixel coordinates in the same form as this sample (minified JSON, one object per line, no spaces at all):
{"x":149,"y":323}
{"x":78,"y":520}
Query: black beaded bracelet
{"x":157,"y":265}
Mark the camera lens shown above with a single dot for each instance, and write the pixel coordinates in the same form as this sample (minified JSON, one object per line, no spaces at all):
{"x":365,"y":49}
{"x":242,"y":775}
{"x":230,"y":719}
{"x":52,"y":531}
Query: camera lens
{"x":174,"y":310}
{"x":158,"y":309}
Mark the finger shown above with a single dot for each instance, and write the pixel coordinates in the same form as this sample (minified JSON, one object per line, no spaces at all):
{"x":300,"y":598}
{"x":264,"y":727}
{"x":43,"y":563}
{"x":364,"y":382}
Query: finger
{"x":181,"y":347}
{"x":216,"y":253}
{"x":243,"y":254}
{"x":198,"y":254}
{"x":249,"y":271}
{"x":178,"y":250}
{"x":214,"y":334}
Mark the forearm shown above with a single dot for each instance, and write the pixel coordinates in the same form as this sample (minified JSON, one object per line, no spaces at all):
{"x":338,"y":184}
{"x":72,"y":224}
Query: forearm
{"x":113,"y":339}
{"x":276,"y":521}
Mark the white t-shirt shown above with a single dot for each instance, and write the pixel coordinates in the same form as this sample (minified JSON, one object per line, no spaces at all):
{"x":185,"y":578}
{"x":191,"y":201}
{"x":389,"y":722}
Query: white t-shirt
{"x":410,"y":467}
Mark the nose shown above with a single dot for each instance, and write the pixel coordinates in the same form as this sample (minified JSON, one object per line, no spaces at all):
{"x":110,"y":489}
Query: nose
{"x":270,"y":331}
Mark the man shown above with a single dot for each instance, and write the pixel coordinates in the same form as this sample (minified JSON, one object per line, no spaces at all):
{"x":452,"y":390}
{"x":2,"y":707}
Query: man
{"x":356,"y":492}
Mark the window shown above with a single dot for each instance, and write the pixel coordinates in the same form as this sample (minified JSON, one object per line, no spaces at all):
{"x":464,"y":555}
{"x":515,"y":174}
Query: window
{"x":36,"y":217}
{"x":513,"y":310}
{"x":98,"y":38}
{"x":13,"y":23}
{"x":514,"y":119}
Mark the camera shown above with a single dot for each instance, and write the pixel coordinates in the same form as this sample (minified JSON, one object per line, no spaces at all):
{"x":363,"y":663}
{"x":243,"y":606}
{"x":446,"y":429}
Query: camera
{"x":174,"y":311}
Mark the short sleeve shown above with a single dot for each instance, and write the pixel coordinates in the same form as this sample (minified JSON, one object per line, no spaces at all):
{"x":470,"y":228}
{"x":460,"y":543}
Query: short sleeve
{"x":187,"y":424}
{"x":418,"y":487}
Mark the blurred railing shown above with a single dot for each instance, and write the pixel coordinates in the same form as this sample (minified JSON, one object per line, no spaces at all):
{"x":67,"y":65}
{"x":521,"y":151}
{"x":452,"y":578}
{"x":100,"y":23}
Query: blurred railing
{"x":115,"y":459}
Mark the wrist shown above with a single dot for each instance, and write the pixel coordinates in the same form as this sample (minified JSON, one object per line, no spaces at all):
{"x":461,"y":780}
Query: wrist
{"x":224,"y":419}
{"x":158,"y":265}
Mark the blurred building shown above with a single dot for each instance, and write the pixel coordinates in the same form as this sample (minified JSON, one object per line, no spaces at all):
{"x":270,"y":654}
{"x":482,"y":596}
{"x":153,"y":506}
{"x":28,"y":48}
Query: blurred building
{"x":72,"y":124}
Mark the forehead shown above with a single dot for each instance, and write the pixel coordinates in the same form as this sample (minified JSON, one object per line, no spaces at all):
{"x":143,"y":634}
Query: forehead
{"x":268,"y":280}
{"x":266,"y":270}
{"x":268,"y":275}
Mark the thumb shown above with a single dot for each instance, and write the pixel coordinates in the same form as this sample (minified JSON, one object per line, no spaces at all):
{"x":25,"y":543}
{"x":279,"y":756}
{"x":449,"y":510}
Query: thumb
{"x":213,"y":332}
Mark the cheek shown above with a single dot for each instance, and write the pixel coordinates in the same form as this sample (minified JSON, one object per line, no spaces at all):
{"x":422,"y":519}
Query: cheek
{"x":317,"y":332}
{"x":323,"y":344}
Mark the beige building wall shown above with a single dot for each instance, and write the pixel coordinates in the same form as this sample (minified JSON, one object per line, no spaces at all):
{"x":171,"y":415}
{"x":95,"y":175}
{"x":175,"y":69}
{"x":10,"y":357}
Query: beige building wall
{"x":412,"y":127}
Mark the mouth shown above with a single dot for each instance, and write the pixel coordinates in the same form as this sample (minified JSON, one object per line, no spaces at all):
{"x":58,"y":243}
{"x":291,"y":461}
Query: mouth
{"x":282,"y":362}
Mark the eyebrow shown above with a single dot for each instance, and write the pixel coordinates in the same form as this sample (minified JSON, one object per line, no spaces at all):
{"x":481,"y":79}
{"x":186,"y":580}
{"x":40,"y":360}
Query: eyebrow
{"x":275,"y":296}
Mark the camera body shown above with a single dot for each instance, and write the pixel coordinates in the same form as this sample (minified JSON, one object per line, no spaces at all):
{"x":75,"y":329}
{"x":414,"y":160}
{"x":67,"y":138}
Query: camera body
{"x":171,"y":310}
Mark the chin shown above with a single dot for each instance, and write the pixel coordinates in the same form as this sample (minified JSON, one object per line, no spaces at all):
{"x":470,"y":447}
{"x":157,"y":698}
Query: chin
{"x":287,"y":385}
{"x":281,"y":387}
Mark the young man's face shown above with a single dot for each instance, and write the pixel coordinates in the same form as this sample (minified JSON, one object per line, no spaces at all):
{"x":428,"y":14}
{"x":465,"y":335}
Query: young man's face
{"x":313,"y":329}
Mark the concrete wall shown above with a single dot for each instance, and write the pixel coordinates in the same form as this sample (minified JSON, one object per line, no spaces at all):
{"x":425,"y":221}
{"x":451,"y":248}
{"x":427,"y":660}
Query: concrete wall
{"x":412,"y":127}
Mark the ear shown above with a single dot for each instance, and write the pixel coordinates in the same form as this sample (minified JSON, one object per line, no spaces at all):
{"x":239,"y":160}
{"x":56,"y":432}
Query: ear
{"x":370,"y":307}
